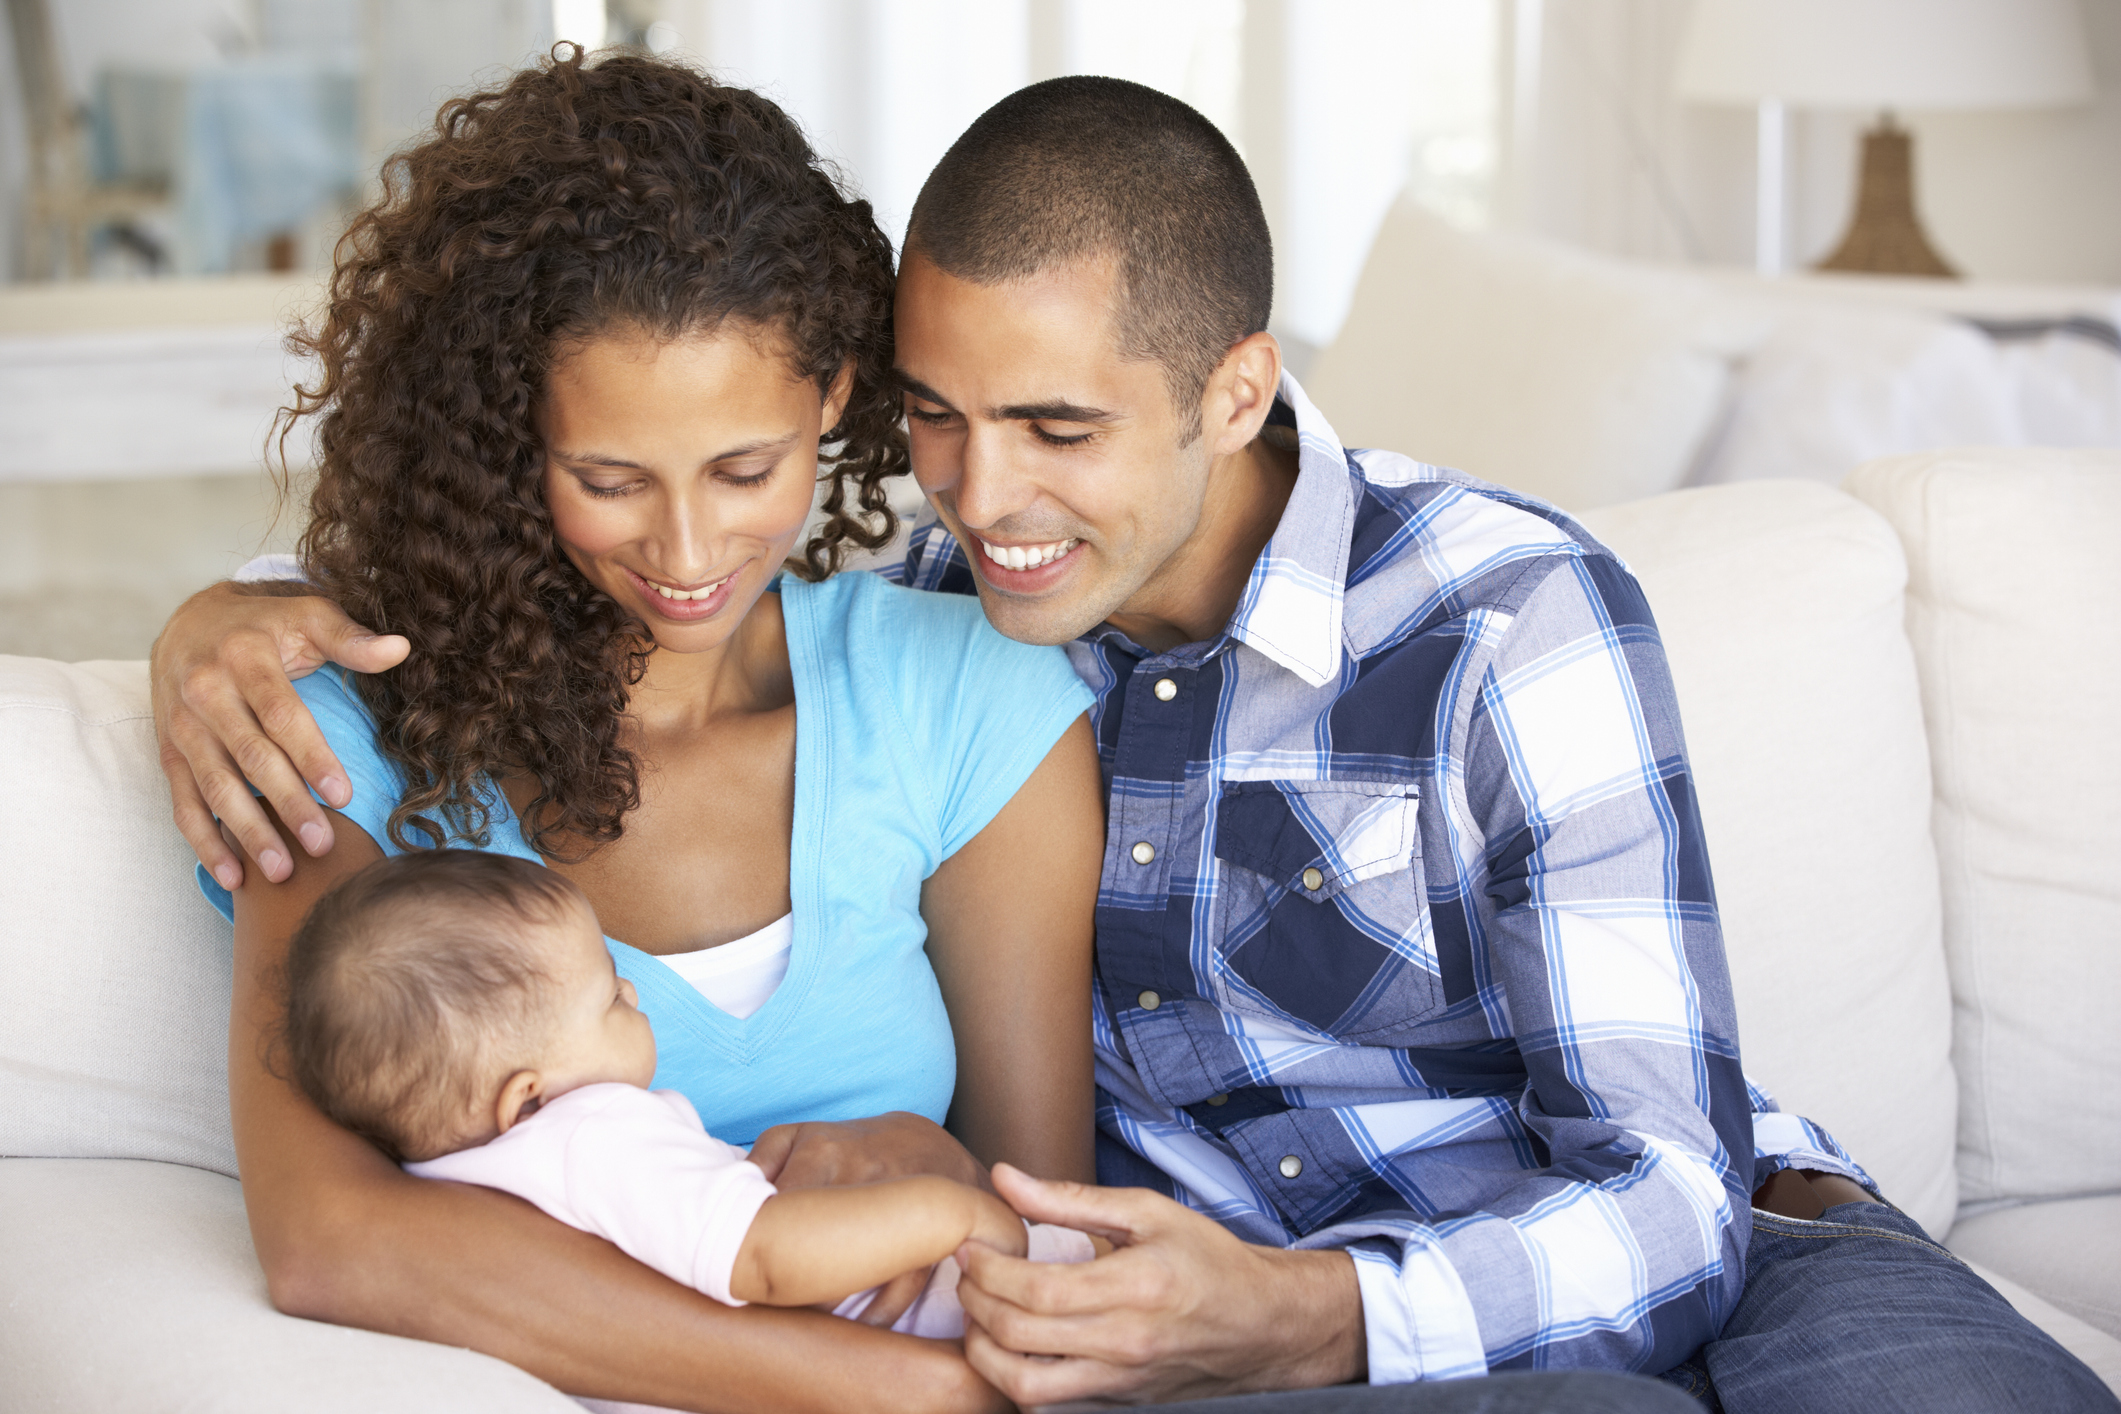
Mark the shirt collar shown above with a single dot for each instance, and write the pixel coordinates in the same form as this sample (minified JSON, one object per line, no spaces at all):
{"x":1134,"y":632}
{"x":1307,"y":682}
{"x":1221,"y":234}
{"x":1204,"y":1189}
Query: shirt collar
{"x":1291,"y":607}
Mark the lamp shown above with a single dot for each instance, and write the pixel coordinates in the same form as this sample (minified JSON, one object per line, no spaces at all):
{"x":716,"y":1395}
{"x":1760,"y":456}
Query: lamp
{"x":1884,"y":55}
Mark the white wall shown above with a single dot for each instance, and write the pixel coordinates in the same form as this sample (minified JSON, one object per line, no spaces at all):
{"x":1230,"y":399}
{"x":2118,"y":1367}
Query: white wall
{"x":1619,"y":165}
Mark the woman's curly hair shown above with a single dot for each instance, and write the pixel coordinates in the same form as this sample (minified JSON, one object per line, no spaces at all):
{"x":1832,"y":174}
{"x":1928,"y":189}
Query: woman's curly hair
{"x":632,"y":194}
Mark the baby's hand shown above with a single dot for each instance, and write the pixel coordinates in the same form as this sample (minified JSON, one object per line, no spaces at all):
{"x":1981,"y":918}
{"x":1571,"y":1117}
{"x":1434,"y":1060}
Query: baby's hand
{"x":996,"y":1224}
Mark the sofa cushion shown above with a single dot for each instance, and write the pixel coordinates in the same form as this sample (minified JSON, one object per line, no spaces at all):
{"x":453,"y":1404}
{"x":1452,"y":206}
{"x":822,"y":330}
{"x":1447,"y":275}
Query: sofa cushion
{"x":1780,"y":607}
{"x":114,"y":1016}
{"x":2014,"y":608}
{"x":1453,"y":337}
{"x":133,"y":1287}
{"x":2088,"y":1343}
{"x":2066,"y":1249}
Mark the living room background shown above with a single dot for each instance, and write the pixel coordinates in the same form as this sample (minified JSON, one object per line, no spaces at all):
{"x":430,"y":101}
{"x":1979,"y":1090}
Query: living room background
{"x":134,"y":391}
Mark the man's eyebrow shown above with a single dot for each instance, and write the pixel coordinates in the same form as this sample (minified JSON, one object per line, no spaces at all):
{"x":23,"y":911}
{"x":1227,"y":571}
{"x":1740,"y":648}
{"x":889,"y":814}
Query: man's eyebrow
{"x":1053,"y":412}
{"x":919,"y":389}
{"x":1056,"y":410}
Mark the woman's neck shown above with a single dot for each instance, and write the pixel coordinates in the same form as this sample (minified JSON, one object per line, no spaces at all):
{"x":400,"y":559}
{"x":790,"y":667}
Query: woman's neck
{"x":746,"y":674}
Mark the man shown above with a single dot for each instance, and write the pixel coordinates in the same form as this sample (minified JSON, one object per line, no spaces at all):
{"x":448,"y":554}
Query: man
{"x":1416,"y":1051}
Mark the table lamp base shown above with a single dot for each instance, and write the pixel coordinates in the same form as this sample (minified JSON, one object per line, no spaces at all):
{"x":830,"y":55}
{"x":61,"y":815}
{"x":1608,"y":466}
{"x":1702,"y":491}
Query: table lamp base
{"x":1885,"y":237}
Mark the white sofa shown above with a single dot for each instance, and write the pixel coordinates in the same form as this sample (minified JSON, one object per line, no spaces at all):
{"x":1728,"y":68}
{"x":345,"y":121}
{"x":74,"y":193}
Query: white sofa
{"x":1588,"y":381}
{"x":1901,"y":702}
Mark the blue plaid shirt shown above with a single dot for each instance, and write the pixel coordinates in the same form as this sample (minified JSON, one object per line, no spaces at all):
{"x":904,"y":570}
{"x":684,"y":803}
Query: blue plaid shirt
{"x":1406,"y":942}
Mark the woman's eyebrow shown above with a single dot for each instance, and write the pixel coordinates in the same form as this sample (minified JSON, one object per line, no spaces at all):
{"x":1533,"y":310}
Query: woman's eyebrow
{"x":756,"y":444}
{"x":742,"y":449}
{"x":598,"y":459}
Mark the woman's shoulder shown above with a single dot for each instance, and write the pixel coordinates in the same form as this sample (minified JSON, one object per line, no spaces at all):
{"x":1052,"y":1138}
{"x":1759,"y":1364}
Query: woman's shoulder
{"x":867,"y":598}
{"x":331,"y":689}
{"x":335,"y":702}
{"x":876,"y":625}
{"x":349,"y":729}
{"x":976,"y":711}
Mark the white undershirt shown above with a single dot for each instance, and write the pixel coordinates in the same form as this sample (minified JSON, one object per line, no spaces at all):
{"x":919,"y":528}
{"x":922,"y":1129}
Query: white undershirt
{"x":739,"y":976}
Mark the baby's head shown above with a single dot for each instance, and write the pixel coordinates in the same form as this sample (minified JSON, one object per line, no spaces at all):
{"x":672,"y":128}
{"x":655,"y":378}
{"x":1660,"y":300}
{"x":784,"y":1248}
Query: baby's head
{"x":435,"y":998}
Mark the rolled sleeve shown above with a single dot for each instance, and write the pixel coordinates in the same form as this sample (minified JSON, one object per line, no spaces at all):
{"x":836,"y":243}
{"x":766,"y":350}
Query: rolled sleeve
{"x":1417,"y":1319}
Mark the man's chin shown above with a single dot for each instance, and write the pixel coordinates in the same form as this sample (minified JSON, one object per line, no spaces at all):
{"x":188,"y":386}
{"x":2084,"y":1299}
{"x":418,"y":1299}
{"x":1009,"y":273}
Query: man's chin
{"x":1041,"y":620}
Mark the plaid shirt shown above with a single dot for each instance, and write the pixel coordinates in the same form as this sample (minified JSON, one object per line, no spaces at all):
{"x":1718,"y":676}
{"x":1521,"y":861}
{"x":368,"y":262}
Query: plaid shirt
{"x":1406,"y":942}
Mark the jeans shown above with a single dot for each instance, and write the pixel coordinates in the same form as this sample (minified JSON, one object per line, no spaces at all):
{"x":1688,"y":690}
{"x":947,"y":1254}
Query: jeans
{"x":1859,"y":1310}
{"x":1578,"y":1392}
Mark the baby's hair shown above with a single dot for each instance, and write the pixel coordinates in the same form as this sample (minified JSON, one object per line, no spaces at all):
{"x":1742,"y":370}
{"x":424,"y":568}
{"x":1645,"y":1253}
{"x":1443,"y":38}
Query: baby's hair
{"x":412,"y":991}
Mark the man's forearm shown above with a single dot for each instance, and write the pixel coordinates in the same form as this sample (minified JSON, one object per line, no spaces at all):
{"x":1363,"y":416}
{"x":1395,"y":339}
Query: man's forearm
{"x":1321,"y":1319}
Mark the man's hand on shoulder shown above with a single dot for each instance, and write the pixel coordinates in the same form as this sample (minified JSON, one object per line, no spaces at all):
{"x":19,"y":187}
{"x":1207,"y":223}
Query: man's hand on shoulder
{"x":227,"y":717}
{"x":1181,"y":1309}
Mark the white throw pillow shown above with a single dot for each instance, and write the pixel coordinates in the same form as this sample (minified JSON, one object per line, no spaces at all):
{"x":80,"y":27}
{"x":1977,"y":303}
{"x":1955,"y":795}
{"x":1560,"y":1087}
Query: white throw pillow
{"x":1780,"y":608}
{"x":114,"y":1018}
{"x":1837,"y":384}
{"x":2014,"y":607}
{"x":1577,"y":379}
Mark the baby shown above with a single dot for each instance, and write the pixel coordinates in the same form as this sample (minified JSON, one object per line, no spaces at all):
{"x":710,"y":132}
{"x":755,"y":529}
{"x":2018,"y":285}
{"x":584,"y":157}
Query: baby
{"x":461,"y":1011}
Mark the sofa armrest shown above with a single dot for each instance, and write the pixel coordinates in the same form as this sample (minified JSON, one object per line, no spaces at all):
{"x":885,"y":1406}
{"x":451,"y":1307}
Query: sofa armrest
{"x":132,"y":1286}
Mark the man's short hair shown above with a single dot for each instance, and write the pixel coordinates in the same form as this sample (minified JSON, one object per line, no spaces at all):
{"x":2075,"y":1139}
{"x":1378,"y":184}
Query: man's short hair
{"x":1077,"y":168}
{"x":413,"y":988}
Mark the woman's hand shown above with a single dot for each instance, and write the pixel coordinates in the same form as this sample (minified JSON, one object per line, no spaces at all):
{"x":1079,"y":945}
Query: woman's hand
{"x":227,"y":717}
{"x":833,"y":1155}
{"x":896,"y":1145}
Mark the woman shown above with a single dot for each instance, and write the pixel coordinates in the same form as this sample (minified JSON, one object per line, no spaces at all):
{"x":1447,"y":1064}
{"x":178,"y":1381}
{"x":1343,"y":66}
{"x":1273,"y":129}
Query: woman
{"x":577,"y":368}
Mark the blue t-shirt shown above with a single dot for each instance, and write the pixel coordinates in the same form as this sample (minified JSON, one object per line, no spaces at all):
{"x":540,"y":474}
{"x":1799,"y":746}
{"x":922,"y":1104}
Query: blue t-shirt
{"x":915,"y":723}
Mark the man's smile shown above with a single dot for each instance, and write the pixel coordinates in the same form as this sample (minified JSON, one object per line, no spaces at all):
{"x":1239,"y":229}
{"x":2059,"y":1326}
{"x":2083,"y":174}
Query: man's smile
{"x":1026,"y":557}
{"x":1025,"y":570}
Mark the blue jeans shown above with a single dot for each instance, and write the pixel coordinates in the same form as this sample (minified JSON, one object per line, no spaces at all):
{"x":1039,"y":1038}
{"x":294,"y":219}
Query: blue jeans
{"x":1556,"y":1392}
{"x":1859,"y":1310}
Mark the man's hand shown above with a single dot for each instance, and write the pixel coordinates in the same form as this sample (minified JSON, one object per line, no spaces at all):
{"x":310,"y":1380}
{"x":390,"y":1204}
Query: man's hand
{"x":226,"y":713}
{"x":896,"y":1145}
{"x":1181,"y":1310}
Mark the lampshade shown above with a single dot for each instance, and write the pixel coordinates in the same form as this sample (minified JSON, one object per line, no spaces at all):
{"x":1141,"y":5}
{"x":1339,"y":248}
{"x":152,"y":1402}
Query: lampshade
{"x":1906,"y":54}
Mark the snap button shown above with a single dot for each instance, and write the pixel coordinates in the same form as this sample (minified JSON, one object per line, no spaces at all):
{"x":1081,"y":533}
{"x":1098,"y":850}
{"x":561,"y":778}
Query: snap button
{"x":1165,"y":689}
{"x":1313,"y":880}
{"x":1150,"y":1001}
{"x":1218,"y":1100}
{"x":1144,"y":853}
{"x":1291,"y":1166}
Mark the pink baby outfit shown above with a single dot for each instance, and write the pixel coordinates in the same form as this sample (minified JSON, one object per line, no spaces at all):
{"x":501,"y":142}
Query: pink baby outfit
{"x":638,"y":1169}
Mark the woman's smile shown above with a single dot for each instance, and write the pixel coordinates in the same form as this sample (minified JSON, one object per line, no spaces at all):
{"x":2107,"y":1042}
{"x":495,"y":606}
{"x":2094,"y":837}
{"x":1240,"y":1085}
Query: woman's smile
{"x":683,"y":606}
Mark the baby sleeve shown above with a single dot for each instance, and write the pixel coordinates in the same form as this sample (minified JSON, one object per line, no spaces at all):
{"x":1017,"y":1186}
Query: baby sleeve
{"x":634,"y":1167}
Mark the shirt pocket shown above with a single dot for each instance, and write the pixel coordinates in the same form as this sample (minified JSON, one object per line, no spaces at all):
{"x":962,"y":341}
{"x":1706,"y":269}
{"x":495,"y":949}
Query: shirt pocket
{"x":1324,"y":904}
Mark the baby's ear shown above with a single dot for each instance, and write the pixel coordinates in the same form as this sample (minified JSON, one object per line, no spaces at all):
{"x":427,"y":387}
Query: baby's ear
{"x":521,"y":1094}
